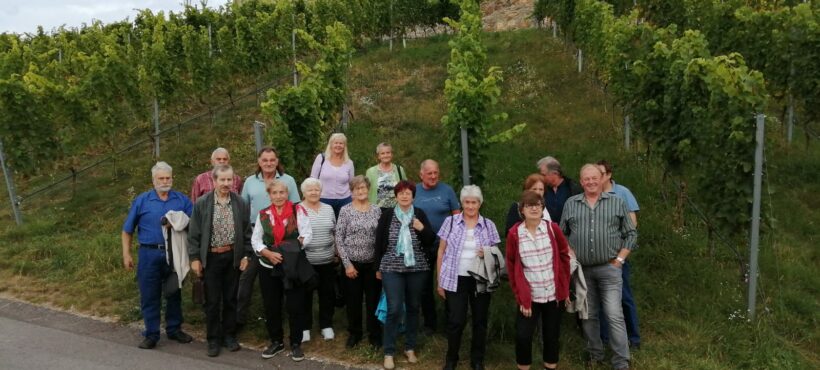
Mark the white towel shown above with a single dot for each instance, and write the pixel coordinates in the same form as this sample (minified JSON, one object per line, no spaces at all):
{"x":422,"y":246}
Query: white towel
{"x":179,"y":243}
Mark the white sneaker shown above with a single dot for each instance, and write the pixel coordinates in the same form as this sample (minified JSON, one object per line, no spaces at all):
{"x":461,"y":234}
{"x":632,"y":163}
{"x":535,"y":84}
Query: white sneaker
{"x":328,"y":334}
{"x":306,"y":336}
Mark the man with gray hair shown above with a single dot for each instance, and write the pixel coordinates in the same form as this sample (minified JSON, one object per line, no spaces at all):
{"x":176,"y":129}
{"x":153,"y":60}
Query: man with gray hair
{"x":219,"y":239}
{"x":145,"y":216}
{"x":204,"y":182}
{"x":600,"y":232}
{"x":557,"y":187}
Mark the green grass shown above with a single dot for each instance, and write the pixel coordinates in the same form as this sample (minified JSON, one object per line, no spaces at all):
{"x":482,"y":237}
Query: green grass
{"x":691,"y":296}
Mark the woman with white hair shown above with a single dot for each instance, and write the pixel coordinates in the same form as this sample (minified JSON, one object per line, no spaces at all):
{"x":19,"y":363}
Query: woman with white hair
{"x":321,"y":254}
{"x":464,"y":238}
{"x":334,"y":169}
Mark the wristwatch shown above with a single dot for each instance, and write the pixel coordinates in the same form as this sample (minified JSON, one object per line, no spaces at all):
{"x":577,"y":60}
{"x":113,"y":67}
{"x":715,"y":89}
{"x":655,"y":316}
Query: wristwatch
{"x":620,"y":259}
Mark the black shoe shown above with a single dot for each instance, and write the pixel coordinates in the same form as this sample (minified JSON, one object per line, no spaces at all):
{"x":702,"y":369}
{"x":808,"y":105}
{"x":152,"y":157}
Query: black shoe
{"x":477,"y":366}
{"x":449,"y":365}
{"x":213,"y":348}
{"x":180,"y":336}
{"x":634,"y":346}
{"x":231,"y":344}
{"x":429,"y":331}
{"x":147,"y":343}
{"x":273,"y":349}
{"x":296,"y":353}
{"x":352,"y":341}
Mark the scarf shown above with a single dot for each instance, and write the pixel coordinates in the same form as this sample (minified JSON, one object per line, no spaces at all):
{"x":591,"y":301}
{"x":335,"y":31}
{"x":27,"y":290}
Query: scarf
{"x":277,"y":221}
{"x":404,"y":246}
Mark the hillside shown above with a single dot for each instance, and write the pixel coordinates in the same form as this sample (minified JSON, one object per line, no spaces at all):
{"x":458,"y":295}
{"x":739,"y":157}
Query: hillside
{"x":691,"y":295}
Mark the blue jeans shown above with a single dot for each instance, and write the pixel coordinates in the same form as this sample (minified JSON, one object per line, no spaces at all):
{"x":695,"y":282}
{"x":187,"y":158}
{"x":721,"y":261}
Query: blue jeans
{"x":630,"y":311}
{"x":152,"y":269}
{"x":604,"y":287}
{"x":402,"y":289}
{"x":336,"y":204}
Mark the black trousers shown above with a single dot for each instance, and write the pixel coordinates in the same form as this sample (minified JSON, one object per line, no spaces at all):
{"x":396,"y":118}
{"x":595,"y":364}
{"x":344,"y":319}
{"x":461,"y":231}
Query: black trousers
{"x":550,"y":314}
{"x":220,"y":278}
{"x":368,"y":287}
{"x":326,"y":290}
{"x":244,"y":290}
{"x":273,"y":293}
{"x":457,"y":304}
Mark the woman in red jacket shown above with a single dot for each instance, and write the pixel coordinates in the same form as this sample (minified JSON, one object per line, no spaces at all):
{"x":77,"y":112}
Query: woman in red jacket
{"x":538,"y":264}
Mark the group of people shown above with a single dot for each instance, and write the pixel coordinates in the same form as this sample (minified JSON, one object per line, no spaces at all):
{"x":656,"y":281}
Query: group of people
{"x":388,"y":246}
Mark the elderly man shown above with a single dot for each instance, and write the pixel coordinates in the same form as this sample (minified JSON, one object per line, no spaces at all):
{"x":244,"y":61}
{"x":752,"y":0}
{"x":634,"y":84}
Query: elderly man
{"x":627,"y":300}
{"x":219,"y":236}
{"x":204,"y":182}
{"x":558,"y":188}
{"x":145,"y":216}
{"x":598,"y":228}
{"x":437,"y":200}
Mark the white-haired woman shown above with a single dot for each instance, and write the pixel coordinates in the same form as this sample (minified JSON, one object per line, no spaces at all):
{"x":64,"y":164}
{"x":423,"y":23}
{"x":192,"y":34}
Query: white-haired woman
{"x":383,"y":177}
{"x":321,"y":254}
{"x":334,"y":169}
{"x":464,"y":238}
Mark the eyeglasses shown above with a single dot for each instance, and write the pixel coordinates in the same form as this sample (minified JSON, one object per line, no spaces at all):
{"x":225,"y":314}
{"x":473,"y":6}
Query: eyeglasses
{"x":534,"y":206}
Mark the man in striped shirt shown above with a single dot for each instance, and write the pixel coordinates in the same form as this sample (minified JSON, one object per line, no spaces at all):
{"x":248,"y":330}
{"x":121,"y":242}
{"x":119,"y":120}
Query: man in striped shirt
{"x":601,"y":233}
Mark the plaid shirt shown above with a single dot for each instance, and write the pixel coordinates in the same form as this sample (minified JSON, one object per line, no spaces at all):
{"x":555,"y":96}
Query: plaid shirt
{"x":536,"y":258}
{"x":223,"y":232}
{"x":454,"y":232}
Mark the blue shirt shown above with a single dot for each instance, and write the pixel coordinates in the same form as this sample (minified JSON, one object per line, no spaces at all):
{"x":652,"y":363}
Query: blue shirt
{"x":623,"y":192}
{"x":147,"y":210}
{"x":437,"y":203}
{"x":255,"y":194}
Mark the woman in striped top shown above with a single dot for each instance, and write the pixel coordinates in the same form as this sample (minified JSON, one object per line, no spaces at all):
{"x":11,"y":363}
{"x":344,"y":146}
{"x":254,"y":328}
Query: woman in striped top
{"x":356,"y":244}
{"x":538,"y":264}
{"x":321,"y":254}
{"x":404,"y":238}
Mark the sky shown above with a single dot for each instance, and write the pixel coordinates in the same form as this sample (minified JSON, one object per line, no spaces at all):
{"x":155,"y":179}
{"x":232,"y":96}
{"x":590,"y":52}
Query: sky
{"x":22,"y":16}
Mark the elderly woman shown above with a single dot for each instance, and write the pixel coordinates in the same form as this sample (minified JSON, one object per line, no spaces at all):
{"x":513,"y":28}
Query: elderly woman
{"x":322,"y":256}
{"x":534,"y":182}
{"x":356,"y":245}
{"x":334,"y":169}
{"x":464,"y":238}
{"x":279,"y":229}
{"x":538,"y":265}
{"x":384,"y":177}
{"x":404,"y":238}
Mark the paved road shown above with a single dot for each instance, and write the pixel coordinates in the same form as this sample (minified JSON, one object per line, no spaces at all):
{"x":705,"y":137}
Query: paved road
{"x":39,"y":338}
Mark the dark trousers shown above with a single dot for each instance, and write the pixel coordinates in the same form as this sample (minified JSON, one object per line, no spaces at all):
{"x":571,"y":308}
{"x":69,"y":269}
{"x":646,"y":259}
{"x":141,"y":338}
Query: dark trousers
{"x":457,"y":303}
{"x":326,"y":289}
{"x":336,"y":204}
{"x":630,"y":311}
{"x":403,"y":289}
{"x":244,"y":290}
{"x":220,"y":296}
{"x":550,"y":315}
{"x":152,"y":270}
{"x":366,"y":286}
{"x":273,"y":292}
{"x":428,"y":300}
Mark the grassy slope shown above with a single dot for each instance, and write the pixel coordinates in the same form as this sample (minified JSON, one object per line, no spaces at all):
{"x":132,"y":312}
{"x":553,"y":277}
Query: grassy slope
{"x":691,"y":303}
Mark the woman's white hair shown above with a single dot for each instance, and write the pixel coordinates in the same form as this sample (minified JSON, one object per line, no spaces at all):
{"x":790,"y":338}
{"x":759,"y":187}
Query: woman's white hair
{"x":472,"y":191}
{"x":308,"y":183}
